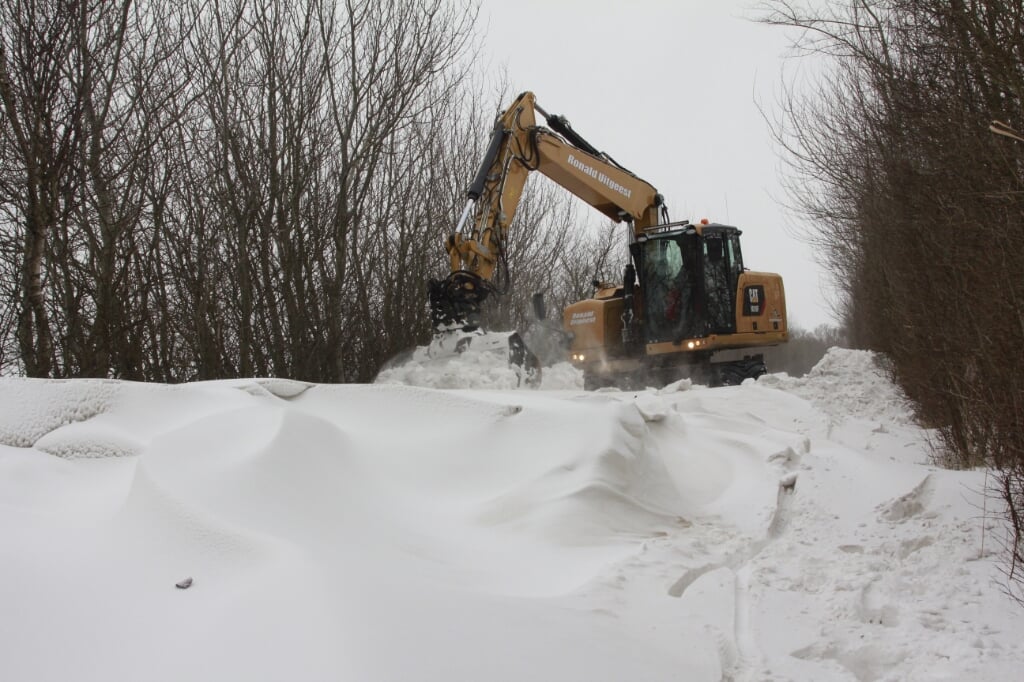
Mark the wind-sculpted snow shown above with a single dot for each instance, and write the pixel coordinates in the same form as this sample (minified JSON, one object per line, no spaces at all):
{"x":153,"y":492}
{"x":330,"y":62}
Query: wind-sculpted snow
{"x":32,"y":408}
{"x":591,"y":490}
{"x":788,"y":529}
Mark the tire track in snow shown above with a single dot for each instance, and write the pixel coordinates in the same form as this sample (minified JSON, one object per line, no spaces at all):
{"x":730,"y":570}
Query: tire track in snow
{"x":748,"y":655}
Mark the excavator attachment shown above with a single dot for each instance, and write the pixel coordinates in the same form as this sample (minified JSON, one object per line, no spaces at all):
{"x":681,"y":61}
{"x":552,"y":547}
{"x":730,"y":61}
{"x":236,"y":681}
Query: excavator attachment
{"x":455,"y":342}
{"x":455,"y":301}
{"x":455,"y":311}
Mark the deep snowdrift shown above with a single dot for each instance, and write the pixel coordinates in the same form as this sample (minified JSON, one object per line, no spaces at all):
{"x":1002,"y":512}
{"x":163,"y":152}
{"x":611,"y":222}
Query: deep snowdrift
{"x":784,"y":529}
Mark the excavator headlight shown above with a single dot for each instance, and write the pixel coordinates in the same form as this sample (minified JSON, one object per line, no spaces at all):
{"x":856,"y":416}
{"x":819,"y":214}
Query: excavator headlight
{"x":690,"y":345}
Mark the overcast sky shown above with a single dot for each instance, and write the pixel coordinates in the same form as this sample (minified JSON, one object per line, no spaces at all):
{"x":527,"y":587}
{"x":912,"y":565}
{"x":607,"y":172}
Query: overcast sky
{"x":670,"y":89}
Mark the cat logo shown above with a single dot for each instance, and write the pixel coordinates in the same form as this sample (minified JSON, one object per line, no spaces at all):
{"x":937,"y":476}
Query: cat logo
{"x":753,"y":295}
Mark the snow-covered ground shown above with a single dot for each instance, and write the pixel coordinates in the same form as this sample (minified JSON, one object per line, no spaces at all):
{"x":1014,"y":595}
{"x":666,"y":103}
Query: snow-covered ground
{"x":789,"y":529}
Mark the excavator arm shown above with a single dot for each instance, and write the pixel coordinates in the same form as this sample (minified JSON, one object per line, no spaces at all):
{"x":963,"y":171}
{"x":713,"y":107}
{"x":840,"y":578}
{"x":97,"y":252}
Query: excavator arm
{"x":517,"y":147}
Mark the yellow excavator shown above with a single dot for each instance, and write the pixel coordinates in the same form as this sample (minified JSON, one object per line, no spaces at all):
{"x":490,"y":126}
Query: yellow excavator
{"x":686,"y":306}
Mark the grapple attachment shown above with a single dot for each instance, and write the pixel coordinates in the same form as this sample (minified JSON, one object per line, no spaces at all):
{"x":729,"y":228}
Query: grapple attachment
{"x":455,"y":312}
{"x":454,"y":342}
{"x":455,"y":301}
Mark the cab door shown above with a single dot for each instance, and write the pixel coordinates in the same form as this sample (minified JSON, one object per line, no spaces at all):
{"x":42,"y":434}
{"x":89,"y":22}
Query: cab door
{"x":719,"y":284}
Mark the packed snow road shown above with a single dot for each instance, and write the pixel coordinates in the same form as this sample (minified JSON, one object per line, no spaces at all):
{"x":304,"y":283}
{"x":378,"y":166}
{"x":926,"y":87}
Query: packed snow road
{"x":789,"y":529}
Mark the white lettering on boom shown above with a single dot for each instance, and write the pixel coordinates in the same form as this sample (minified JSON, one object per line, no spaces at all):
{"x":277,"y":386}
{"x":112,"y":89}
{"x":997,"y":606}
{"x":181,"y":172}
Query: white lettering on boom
{"x":599,"y":176}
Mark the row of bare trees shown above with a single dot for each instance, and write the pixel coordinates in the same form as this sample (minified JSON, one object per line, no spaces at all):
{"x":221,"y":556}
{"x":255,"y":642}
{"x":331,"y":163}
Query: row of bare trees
{"x":197,"y":189}
{"x":918,"y":210}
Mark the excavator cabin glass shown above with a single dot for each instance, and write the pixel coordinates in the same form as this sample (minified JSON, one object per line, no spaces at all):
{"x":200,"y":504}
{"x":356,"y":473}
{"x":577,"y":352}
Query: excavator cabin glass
{"x":688,"y":282}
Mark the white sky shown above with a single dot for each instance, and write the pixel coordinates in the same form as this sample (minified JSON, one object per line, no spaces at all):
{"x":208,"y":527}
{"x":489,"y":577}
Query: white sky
{"x":669,"y":88}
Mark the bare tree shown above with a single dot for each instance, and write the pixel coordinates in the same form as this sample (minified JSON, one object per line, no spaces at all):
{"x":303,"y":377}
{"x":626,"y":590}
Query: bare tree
{"x":246,"y":188}
{"x":919,"y":210}
{"x":43,"y":115}
{"x":85,"y":88}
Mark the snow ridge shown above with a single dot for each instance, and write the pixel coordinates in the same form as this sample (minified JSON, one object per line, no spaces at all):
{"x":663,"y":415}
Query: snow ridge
{"x":785,"y":529}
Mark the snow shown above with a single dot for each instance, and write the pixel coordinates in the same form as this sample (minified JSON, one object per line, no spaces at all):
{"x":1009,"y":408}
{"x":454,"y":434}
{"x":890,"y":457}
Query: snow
{"x":785,"y":529}
{"x":472,"y":369}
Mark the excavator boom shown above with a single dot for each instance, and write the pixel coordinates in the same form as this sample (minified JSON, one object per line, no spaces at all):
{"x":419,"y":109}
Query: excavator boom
{"x":517,"y":147}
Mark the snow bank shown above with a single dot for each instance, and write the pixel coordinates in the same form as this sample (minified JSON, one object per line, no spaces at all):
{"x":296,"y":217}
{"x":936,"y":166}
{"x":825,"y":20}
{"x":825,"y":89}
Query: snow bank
{"x":771,"y":530}
{"x":848,"y":383}
{"x":475,"y":370}
{"x":843,"y":384}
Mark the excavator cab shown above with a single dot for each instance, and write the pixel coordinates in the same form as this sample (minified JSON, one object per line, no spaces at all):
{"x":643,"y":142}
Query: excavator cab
{"x":688,"y":279}
{"x":670,"y":273}
{"x":686,"y":297}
